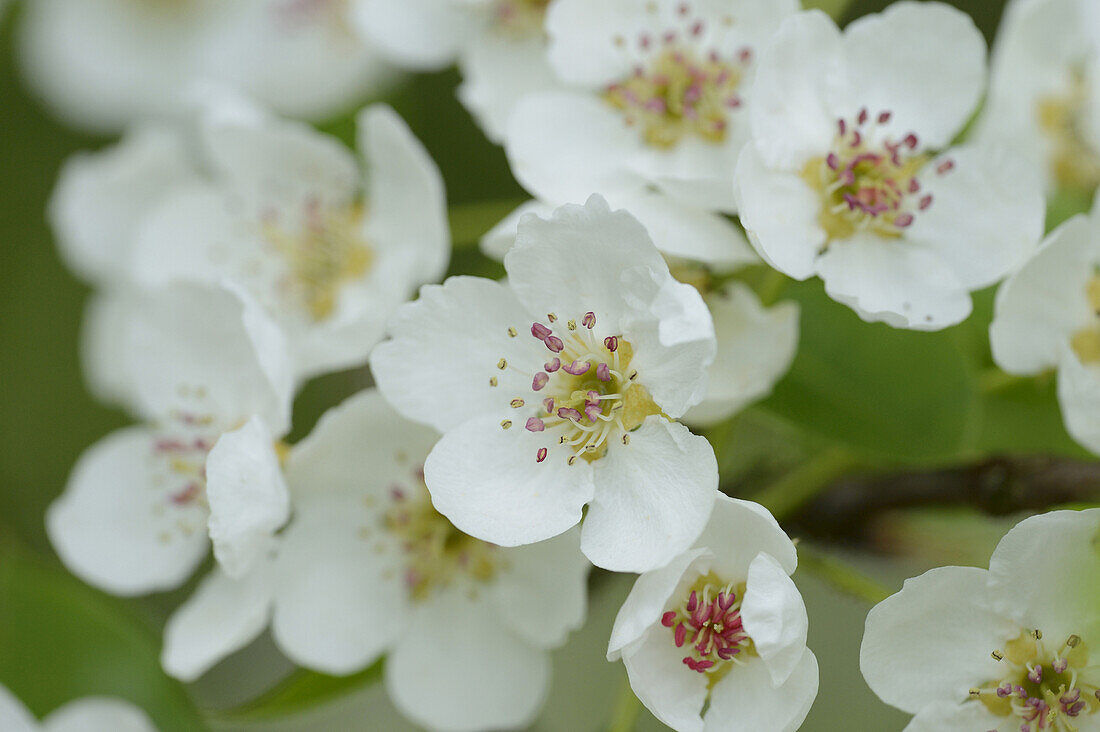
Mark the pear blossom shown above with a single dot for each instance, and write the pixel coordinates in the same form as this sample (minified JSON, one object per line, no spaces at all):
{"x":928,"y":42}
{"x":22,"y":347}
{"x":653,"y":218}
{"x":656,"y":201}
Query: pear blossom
{"x":1004,"y":649}
{"x":654,"y":96}
{"x":210,"y":376}
{"x":723,"y":628}
{"x":755,"y":345}
{"x":275,"y":207}
{"x":500,"y":47}
{"x":1047,"y":316}
{"x":1042,"y":90}
{"x":561,"y":388}
{"x":368,"y":567}
{"x":104,"y":64}
{"x":90,"y":714}
{"x":850,"y":174}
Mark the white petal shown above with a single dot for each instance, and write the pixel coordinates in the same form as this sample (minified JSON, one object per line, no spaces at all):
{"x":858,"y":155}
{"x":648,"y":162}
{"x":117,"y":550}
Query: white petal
{"x":931,"y":642}
{"x":739,"y":530}
{"x":101,"y":198}
{"x":187,"y":340}
{"x":248,"y":497}
{"x":653,"y":498}
{"x":117,"y":528}
{"x":13,"y":715}
{"x":97,"y":714}
{"x":1041,"y":306}
{"x":565,"y":146}
{"x":340,"y":601}
{"x":408,"y":206}
{"x":755,"y":348}
{"x":966,"y":716}
{"x":986,"y":217}
{"x":444,"y":350}
{"x":697,"y":172}
{"x":746,"y":698}
{"x":670,"y":690}
{"x":497,"y":72}
{"x":790,"y":118}
{"x":502,"y":237}
{"x":423,"y":35}
{"x":1079,"y":396}
{"x":923,"y":62}
{"x":461,"y":671}
{"x":780,"y":214}
{"x":1044,"y":572}
{"x":650,"y":595}
{"x":486,"y":480}
{"x":775,"y":617}
{"x":542,"y":592}
{"x":221,"y":617}
{"x":102,"y":354}
{"x":583,"y":50}
{"x":361,"y":438}
{"x":894,"y":281}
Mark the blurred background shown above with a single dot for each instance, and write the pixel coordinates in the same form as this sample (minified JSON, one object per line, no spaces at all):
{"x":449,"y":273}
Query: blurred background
{"x":60,"y":639}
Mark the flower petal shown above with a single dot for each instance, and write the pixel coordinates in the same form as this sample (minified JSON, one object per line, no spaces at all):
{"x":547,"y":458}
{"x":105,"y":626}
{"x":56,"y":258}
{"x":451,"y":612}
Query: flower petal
{"x":423,"y":35}
{"x":13,"y":715}
{"x":775,"y":617}
{"x":670,"y":690}
{"x":502,"y":237}
{"x":497,"y":72}
{"x":542,"y":592}
{"x":931,"y":642}
{"x":965,"y":716}
{"x":747,"y":698}
{"x":97,"y":714}
{"x":487,"y":482}
{"x":248,"y":497}
{"x":461,"y":672}
{"x":755,"y":348}
{"x":1079,"y":396}
{"x":340,"y":601}
{"x":221,"y":617}
{"x":116,"y":527}
{"x":445,"y":348}
{"x":653,"y":498}
{"x":895,"y":282}
{"x":925,"y":63}
{"x":739,"y":530}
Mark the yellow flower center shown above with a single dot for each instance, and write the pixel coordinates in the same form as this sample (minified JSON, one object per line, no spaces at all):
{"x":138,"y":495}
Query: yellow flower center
{"x":1086,"y":342}
{"x":1074,"y":162}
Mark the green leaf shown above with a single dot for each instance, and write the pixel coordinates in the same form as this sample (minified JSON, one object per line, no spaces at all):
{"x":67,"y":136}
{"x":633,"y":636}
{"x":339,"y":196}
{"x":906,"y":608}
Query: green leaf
{"x":301,"y":691}
{"x":889,"y":392}
{"x":1023,"y":417}
{"x":61,"y":640}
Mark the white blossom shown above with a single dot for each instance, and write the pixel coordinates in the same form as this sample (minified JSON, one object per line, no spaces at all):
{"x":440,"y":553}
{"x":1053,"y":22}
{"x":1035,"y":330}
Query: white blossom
{"x":90,"y":714}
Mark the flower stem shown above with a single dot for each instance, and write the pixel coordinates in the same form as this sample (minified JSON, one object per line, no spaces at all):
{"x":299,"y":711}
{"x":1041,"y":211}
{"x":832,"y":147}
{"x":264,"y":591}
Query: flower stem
{"x":841,"y":576}
{"x":793,"y":490}
{"x":627,"y":708}
{"x":993,"y":380}
{"x":772,"y":286}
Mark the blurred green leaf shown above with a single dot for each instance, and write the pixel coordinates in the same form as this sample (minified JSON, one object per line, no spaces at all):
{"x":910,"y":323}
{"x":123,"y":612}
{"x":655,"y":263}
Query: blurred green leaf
{"x":1023,"y":417}
{"x":61,"y":640}
{"x":301,"y":691}
{"x":1066,"y":204}
{"x":889,"y":392}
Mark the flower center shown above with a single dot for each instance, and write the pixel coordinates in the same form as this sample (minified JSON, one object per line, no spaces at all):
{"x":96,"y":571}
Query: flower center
{"x":522,"y":17}
{"x":324,"y":253}
{"x":869,"y":185}
{"x":1074,"y":162}
{"x":678,"y":89}
{"x":1086,"y":342}
{"x":707,"y":625}
{"x":586,"y":394}
{"x":435,"y":551}
{"x":1042,"y":684}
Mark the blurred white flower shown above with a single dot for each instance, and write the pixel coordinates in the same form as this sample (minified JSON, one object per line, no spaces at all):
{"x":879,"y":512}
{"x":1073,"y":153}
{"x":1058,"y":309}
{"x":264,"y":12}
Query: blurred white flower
{"x":500,"y":47}
{"x":274,"y":206}
{"x":843,"y":179}
{"x":104,"y":64}
{"x":1047,"y":316}
{"x":368,"y":567}
{"x":90,"y":714}
{"x":210,"y":376}
{"x":656,"y":97}
{"x":1042,"y":98}
{"x":561,"y":388}
{"x":1004,"y":649}
{"x":723,"y":628}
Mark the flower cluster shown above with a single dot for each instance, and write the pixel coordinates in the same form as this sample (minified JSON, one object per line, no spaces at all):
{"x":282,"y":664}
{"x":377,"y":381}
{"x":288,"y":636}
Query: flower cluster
{"x":682,"y":157}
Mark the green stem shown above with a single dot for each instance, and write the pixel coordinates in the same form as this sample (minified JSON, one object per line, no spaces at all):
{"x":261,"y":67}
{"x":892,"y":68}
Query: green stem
{"x":798,"y":486}
{"x":627,"y":708}
{"x":772,"y":286}
{"x":993,"y":380}
{"x":841,"y":576}
{"x":471,"y":221}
